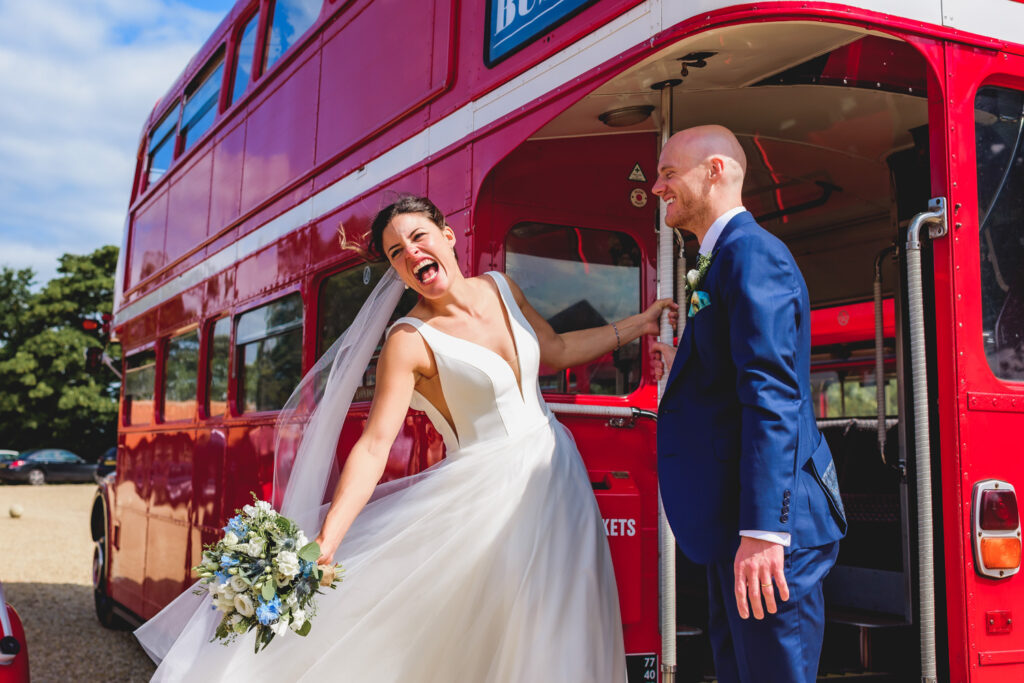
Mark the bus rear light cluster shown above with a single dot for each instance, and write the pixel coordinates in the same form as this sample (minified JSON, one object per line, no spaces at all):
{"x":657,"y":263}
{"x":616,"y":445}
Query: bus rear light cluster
{"x":995,"y":523}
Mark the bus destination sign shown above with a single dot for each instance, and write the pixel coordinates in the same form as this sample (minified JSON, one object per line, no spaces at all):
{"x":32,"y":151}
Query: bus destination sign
{"x":513,"y":24}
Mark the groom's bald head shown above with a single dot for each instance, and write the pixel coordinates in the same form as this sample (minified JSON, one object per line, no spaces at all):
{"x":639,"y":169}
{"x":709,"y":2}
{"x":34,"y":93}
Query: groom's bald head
{"x":700,"y":176}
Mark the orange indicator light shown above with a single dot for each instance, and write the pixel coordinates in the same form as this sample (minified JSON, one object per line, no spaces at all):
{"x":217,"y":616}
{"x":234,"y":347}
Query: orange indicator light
{"x":1000,"y":553}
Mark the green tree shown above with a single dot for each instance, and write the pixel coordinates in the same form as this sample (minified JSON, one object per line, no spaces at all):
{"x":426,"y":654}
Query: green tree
{"x":15,"y":296}
{"x":46,"y":396}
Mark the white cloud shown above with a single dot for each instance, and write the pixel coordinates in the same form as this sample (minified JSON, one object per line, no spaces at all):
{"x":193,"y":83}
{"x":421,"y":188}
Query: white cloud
{"x":79,"y":78}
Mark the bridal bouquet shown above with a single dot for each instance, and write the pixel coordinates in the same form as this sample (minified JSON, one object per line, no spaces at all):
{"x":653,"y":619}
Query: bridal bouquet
{"x":263,"y":575}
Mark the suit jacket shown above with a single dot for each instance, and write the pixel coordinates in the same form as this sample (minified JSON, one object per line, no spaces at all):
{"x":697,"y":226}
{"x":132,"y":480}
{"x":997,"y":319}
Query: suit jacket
{"x":738,"y":445}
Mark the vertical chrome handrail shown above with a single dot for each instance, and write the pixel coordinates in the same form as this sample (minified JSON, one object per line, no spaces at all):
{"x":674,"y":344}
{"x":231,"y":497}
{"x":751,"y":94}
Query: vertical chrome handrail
{"x":666,"y":539}
{"x":922,"y":445}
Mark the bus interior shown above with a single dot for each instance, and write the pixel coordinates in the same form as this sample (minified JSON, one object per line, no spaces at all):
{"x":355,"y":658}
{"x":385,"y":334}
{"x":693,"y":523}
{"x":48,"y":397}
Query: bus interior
{"x":834,"y":123}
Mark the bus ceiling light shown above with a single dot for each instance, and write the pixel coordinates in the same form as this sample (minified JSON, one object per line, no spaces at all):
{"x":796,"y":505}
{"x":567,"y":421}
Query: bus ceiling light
{"x":995,"y":526}
{"x":626,"y":116}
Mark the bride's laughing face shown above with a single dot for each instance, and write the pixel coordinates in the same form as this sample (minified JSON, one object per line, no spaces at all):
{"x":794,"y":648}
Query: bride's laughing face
{"x":421,"y":253}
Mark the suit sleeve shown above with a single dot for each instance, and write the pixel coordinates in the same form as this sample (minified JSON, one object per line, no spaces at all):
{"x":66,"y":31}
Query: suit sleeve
{"x":763,"y":302}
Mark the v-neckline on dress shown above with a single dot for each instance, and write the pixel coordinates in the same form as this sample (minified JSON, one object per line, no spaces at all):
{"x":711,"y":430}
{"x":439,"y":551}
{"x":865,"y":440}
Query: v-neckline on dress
{"x":507,"y":314}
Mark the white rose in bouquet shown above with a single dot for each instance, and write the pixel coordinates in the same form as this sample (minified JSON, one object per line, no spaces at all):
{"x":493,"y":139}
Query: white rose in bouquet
{"x":226,"y":591}
{"x":249,"y":510}
{"x":264,"y":506}
{"x":244,"y":605}
{"x":230,"y":538}
{"x":222,"y":603}
{"x":288,"y":564}
{"x":238,"y":584}
{"x":256,"y":547}
{"x":298,"y":619}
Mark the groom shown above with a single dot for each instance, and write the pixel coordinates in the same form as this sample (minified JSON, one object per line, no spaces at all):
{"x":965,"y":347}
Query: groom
{"x":747,"y":481}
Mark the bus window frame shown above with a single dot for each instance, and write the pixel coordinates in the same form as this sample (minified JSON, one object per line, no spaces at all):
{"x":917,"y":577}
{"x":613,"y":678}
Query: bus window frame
{"x":228,"y":101}
{"x":203,"y":388}
{"x":236,"y":372}
{"x":165,"y":341}
{"x":267,"y":23}
{"x":208,"y":68}
{"x":147,"y":165}
{"x":558,"y":220}
{"x":125,"y":417}
{"x":972,"y":249}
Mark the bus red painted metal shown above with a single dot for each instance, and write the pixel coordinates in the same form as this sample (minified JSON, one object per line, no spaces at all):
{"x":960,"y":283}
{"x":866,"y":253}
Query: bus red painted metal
{"x":535,"y":127}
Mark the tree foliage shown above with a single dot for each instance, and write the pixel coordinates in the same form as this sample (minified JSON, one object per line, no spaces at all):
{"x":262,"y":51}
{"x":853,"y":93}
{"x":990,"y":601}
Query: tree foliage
{"x":47,"y":399}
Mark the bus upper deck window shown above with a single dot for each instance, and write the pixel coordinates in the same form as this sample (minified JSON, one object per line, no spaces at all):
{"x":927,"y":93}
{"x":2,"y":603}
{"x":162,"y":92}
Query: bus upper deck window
{"x":578,"y":278}
{"x":268,"y":340}
{"x":289,"y":20}
{"x":161,"y":145}
{"x":244,"y":56}
{"x":999,"y":140}
{"x":139,"y":387}
{"x":201,"y":99}
{"x":181,"y":371}
{"x":341,"y":296}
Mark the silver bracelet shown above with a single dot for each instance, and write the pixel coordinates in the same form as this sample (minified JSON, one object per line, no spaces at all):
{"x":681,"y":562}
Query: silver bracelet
{"x":618,"y":340}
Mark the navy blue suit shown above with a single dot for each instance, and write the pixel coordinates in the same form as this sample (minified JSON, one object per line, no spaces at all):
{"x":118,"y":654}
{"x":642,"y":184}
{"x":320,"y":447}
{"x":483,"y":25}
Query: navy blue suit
{"x":738,"y":448}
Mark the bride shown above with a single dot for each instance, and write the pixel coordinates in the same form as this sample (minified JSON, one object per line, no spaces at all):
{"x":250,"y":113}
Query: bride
{"x":492,"y":565}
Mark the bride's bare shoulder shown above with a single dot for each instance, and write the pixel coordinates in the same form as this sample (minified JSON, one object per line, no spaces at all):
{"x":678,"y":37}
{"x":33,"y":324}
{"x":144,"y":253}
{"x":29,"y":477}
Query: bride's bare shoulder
{"x":405,"y":346}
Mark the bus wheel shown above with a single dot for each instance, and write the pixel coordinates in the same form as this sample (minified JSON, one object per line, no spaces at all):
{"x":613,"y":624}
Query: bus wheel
{"x":105,"y":613}
{"x":36,"y":478}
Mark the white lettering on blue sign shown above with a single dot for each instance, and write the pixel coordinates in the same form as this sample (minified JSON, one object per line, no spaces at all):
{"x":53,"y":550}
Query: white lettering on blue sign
{"x":513,"y":24}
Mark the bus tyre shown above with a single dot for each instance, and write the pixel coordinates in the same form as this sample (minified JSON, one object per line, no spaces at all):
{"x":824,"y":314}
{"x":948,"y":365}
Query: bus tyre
{"x":36,"y":477}
{"x":104,"y":604}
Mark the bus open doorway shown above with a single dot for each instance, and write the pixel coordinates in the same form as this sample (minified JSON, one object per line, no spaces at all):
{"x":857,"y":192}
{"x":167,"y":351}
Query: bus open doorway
{"x":834,"y":120}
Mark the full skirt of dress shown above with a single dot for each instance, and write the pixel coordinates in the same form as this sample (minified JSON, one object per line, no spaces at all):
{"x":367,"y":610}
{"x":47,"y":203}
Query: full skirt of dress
{"x":490,"y":566}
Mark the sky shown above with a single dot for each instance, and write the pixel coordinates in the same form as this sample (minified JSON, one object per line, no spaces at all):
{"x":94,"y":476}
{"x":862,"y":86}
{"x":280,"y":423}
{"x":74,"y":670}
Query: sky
{"x":77,"y":80}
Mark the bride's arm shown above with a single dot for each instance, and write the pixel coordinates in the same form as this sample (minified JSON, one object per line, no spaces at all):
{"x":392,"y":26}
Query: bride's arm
{"x":400,"y":359}
{"x":579,"y":347}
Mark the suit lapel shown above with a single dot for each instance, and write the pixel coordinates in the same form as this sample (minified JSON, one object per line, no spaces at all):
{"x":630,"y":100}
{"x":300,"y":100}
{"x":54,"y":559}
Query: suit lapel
{"x":686,"y":343}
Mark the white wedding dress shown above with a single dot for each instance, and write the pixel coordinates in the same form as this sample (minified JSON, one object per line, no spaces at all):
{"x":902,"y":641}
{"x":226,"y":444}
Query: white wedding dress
{"x":492,"y":565}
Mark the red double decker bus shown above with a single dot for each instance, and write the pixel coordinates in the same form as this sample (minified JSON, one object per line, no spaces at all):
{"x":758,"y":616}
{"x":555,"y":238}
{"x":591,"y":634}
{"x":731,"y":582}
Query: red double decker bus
{"x":884,"y":147}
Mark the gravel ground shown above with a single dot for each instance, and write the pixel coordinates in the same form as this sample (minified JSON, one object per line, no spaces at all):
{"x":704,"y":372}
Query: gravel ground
{"x":45,"y":566}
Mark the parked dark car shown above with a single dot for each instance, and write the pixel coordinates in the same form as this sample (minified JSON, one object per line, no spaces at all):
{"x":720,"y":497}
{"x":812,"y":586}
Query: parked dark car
{"x":107,"y":464}
{"x":7,"y":456}
{"x":44,"y":465}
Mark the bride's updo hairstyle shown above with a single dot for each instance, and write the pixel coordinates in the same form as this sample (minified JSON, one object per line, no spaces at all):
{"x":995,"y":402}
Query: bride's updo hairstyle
{"x":405,"y":204}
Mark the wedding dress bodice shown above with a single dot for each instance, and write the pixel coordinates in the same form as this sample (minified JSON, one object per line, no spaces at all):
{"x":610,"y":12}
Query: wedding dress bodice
{"x":479,"y":386}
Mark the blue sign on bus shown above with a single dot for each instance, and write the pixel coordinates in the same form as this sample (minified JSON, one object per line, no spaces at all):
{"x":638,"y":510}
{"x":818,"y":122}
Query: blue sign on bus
{"x":512,"y":24}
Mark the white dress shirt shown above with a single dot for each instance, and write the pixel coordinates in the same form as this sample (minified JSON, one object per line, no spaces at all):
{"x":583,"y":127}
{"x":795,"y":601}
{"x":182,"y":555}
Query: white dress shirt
{"x":707,"y":245}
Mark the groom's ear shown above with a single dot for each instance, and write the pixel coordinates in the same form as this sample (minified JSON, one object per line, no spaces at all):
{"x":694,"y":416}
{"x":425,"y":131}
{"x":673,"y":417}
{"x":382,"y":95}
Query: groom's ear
{"x":716,"y":167}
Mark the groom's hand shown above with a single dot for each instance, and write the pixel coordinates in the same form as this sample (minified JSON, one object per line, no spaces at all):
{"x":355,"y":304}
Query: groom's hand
{"x":662,"y":356}
{"x":758,"y":570}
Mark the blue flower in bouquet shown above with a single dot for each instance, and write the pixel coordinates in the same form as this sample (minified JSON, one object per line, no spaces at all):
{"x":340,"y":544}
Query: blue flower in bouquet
{"x":236,"y":527}
{"x":269,"y":612}
{"x":227,"y":561}
{"x":222,"y":577}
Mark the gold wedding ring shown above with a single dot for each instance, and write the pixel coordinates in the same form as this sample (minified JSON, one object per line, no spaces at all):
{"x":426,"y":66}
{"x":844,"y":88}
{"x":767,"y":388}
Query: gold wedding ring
{"x":766,"y":585}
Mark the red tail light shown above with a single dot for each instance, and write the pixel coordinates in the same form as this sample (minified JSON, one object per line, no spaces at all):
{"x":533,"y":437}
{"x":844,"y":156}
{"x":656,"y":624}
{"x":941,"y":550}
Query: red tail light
{"x":999,"y":510}
{"x":17,"y":463}
{"x":995,"y":526}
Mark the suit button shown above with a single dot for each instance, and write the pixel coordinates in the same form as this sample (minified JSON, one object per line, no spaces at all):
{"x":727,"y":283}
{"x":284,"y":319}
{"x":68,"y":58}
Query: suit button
{"x":785,"y":495}
{"x":784,"y":517}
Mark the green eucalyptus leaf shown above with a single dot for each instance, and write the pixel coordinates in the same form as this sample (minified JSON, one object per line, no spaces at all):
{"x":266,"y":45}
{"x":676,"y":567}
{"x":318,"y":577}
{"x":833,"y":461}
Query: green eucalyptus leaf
{"x":310,"y":552}
{"x":305,"y":628}
{"x":268,"y":590}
